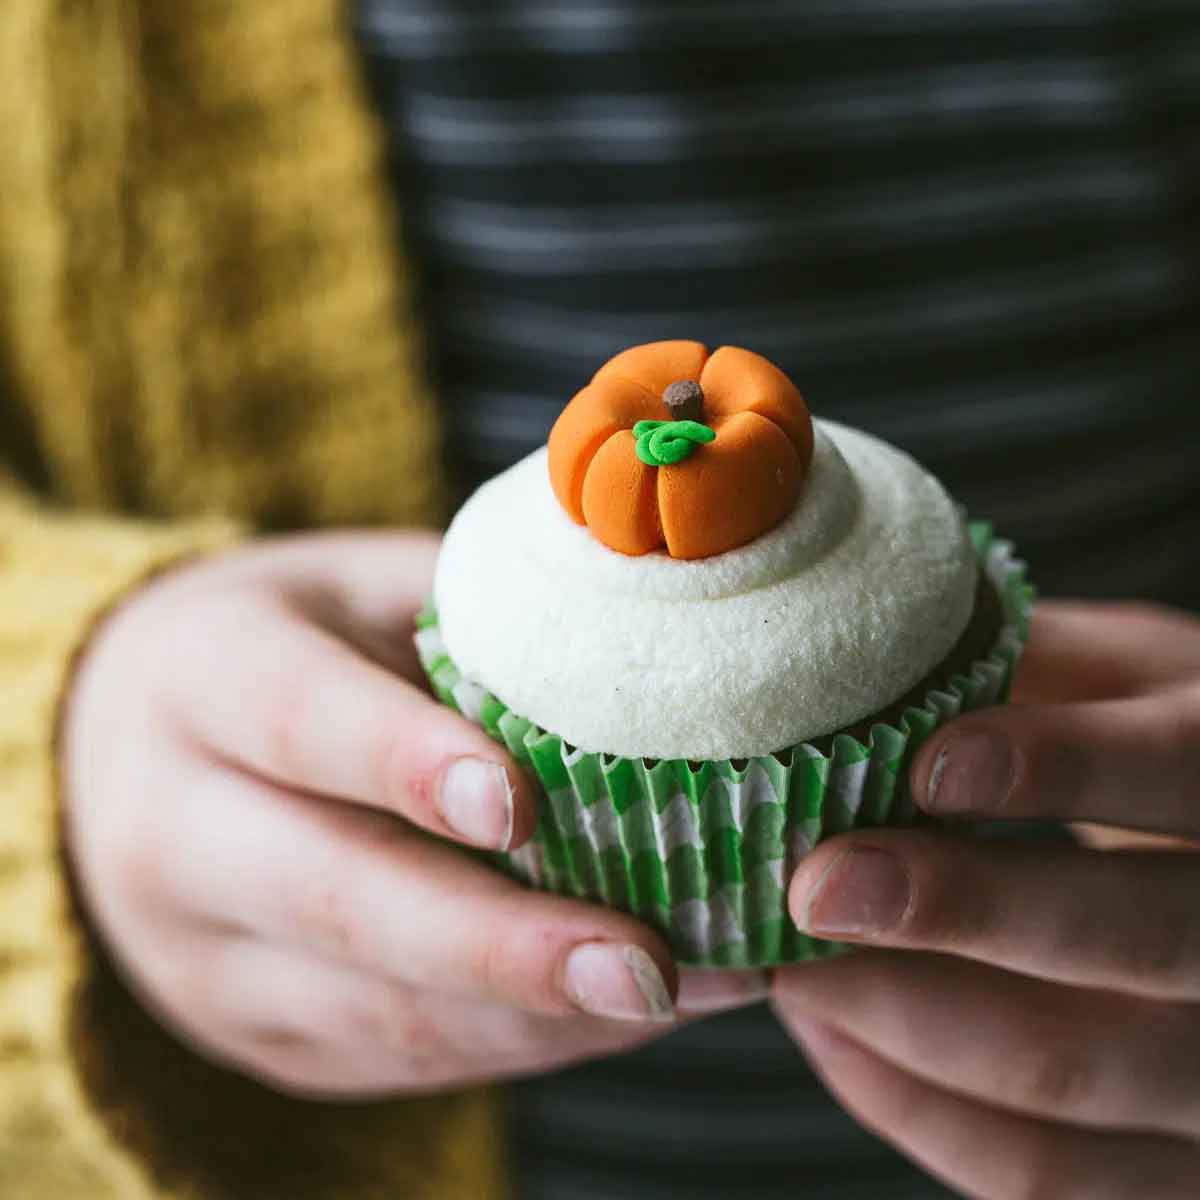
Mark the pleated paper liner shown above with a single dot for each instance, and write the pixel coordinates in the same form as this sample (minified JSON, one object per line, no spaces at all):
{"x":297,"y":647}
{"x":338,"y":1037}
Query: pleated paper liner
{"x":703,"y":851}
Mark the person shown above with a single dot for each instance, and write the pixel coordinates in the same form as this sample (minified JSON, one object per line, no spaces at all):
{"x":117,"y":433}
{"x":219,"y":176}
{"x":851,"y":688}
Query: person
{"x":962,"y":226}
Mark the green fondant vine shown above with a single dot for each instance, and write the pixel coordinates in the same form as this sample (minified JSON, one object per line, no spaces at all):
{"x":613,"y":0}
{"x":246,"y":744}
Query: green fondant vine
{"x":662,"y":443}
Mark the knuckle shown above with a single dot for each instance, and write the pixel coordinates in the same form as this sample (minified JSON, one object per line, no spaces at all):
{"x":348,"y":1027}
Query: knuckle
{"x":390,"y":776}
{"x":508,"y":959}
{"x":280,"y":1040}
{"x":367,"y":1020}
{"x":324,"y":916}
{"x":393,"y":1022}
{"x":487,"y":960}
{"x":1159,"y":955}
{"x":368,"y":1016}
{"x":137,"y":850}
{"x":289,"y":716}
{"x":1055,"y":1077}
{"x":193,"y":991}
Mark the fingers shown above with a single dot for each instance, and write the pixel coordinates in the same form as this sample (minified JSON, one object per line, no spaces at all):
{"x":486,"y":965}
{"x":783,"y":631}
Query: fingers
{"x":1122,"y":922}
{"x":379,"y":577}
{"x":310,"y":1027}
{"x":703,"y":992}
{"x":1088,"y":651}
{"x":988,"y":1153}
{"x":364,"y":891}
{"x":1084,"y":1058}
{"x":1132,"y":762}
{"x":301,"y":707}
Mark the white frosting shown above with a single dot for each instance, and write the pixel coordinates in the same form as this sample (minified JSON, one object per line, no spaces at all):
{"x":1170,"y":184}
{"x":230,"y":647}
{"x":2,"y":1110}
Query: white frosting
{"x":827,"y":618}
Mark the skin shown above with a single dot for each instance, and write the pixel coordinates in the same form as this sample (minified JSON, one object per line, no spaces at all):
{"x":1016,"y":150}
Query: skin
{"x":1026,"y":1019}
{"x":246,"y":826}
{"x":250,"y":766}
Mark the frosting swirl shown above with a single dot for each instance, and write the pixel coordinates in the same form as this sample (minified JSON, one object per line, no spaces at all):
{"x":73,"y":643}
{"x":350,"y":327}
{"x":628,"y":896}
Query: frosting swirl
{"x":829,"y":616}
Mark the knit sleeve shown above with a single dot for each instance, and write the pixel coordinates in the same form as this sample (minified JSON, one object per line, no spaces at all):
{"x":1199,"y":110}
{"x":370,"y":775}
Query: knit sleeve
{"x":96,"y":1099}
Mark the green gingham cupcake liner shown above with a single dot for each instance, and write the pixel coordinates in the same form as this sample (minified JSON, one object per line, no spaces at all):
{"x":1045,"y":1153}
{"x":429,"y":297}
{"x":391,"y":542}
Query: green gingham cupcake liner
{"x":703,"y":851}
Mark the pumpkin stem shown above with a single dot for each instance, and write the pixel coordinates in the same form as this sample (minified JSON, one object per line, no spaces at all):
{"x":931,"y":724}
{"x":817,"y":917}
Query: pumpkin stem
{"x":684,"y":400}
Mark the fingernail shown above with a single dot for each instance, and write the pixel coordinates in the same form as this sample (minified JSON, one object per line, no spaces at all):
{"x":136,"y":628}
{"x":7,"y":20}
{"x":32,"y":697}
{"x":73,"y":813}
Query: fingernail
{"x":972,"y":772}
{"x":476,"y":801}
{"x":863,"y":891}
{"x":622,"y":983}
{"x":702,"y":991}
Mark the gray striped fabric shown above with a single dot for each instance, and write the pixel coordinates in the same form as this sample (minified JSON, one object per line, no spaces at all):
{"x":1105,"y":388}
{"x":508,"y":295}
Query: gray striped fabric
{"x":967,"y":225}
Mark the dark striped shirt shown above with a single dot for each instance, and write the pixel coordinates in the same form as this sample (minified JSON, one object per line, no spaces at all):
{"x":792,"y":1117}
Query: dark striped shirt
{"x":967,"y":225}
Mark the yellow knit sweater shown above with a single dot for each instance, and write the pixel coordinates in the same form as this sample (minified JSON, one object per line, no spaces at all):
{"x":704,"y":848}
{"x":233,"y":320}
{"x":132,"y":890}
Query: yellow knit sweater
{"x":202,"y":334}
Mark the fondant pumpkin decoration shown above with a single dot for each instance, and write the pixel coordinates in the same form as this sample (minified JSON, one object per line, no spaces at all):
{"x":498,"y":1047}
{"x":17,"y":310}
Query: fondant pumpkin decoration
{"x":669,"y":446}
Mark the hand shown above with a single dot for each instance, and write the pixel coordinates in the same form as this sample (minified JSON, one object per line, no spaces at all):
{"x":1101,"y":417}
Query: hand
{"x":1035,"y":1029}
{"x":250,"y":766}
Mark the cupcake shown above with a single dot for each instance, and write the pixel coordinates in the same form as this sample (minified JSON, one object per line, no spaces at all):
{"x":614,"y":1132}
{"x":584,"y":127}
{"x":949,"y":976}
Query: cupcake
{"x":716,"y":631}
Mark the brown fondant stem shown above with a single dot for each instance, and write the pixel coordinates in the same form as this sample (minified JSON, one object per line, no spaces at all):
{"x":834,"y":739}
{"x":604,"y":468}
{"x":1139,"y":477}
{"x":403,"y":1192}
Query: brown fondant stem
{"x":684,"y":400}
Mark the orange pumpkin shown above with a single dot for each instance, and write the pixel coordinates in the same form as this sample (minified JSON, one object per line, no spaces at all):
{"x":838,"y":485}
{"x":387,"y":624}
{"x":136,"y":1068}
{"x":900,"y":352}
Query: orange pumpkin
{"x":720,"y":492}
